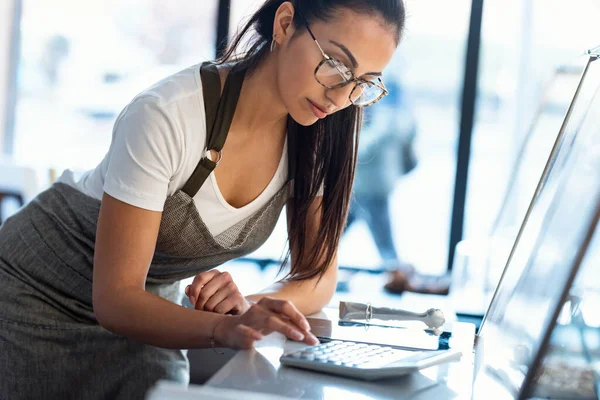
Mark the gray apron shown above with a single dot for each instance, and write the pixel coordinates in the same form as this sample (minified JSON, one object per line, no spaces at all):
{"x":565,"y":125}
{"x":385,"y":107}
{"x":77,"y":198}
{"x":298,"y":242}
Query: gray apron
{"x":51,"y":345}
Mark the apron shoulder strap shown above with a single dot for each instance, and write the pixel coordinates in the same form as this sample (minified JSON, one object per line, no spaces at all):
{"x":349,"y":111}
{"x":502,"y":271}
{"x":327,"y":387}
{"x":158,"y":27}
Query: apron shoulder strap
{"x":211,"y":92}
{"x":219,"y":111}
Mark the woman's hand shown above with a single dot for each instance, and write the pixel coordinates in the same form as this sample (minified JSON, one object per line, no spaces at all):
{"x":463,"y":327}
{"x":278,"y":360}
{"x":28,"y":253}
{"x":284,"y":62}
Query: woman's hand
{"x":266,"y":316}
{"x":215,"y":291}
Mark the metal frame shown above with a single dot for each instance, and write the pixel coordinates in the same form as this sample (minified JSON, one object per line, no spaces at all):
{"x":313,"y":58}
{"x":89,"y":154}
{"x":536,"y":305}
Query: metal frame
{"x":223,"y":16}
{"x":8,"y":130}
{"x":467,"y":117}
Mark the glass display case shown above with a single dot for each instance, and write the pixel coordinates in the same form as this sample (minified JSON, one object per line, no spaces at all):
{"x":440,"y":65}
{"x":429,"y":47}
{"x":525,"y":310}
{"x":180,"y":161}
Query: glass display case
{"x":479,"y":263}
{"x":541,"y":335}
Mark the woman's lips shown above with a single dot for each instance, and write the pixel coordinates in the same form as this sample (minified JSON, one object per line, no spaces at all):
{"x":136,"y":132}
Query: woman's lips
{"x":317,"y":110}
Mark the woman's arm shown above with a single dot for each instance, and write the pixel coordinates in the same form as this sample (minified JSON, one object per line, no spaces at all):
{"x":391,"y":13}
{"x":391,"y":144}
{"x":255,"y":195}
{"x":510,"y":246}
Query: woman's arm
{"x":309,"y":296}
{"x":125,"y":243}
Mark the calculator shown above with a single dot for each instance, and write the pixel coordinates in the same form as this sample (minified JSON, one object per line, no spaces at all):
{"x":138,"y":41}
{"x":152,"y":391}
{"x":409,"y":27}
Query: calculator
{"x":365,"y":361}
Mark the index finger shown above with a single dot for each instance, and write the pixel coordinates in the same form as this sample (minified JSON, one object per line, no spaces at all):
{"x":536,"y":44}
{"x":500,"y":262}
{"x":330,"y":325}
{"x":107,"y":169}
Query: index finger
{"x":204,"y":277}
{"x":287,"y":309}
{"x":199,"y":281}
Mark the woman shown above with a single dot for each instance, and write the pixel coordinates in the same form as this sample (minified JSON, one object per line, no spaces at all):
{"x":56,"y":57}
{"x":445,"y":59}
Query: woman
{"x":90,"y":269}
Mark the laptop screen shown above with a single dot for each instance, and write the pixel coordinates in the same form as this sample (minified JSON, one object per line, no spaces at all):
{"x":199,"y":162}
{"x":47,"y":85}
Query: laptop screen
{"x":548,"y":249}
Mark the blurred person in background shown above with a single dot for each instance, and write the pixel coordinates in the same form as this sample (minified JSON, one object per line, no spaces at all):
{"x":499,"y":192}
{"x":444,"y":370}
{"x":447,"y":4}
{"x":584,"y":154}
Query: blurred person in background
{"x":54,"y":54}
{"x":385,"y":154}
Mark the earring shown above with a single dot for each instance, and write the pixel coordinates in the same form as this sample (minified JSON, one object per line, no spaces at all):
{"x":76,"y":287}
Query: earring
{"x":273,"y":43}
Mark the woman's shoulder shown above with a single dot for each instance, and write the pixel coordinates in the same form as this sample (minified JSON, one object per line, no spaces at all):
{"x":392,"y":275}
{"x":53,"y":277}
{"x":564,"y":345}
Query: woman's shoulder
{"x":176,"y":98}
{"x":172,"y":90}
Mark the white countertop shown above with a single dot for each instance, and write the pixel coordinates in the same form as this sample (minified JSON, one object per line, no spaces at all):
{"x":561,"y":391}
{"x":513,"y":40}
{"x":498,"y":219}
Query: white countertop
{"x":258,"y":370}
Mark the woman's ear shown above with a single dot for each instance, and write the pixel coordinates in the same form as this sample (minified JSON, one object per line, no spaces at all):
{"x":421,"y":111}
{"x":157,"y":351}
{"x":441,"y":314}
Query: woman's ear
{"x":283,"y":25}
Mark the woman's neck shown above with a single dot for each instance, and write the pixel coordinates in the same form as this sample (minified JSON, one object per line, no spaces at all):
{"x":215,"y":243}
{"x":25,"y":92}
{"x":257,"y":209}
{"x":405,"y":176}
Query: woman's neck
{"x":260,"y":108}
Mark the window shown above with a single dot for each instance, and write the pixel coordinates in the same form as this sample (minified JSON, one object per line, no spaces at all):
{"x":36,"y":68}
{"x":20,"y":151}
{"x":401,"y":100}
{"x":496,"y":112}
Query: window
{"x":82,"y":62}
{"x":518,"y":67}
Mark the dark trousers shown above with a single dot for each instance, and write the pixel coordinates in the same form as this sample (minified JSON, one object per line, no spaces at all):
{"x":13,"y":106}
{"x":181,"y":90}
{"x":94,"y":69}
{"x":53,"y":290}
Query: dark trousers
{"x":375,"y":210}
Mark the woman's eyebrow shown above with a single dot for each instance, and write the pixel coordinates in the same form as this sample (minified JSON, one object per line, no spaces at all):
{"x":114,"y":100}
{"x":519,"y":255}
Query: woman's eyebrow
{"x":352,"y":58}
{"x":348,"y":53}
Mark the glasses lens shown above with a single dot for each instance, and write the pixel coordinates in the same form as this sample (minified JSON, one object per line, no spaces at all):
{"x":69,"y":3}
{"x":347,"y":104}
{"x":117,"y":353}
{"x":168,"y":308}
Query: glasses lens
{"x":365,"y":93}
{"x":333,"y":73}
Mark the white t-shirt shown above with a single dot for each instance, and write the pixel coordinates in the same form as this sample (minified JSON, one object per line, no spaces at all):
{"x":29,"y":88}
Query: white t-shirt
{"x":157,"y":142}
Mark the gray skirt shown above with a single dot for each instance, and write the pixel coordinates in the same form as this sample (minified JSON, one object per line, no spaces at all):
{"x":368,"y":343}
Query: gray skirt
{"x":51,"y":346}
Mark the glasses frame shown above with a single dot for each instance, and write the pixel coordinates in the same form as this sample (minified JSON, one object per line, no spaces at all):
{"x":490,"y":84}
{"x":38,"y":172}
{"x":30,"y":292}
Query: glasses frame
{"x":327,"y":58}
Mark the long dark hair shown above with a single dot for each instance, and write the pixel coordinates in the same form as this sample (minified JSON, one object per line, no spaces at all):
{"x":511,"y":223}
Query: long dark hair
{"x":325,"y":152}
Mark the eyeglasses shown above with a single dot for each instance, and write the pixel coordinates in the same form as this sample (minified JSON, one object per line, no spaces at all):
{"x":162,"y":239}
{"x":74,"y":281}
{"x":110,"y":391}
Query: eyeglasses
{"x":333,"y":74}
